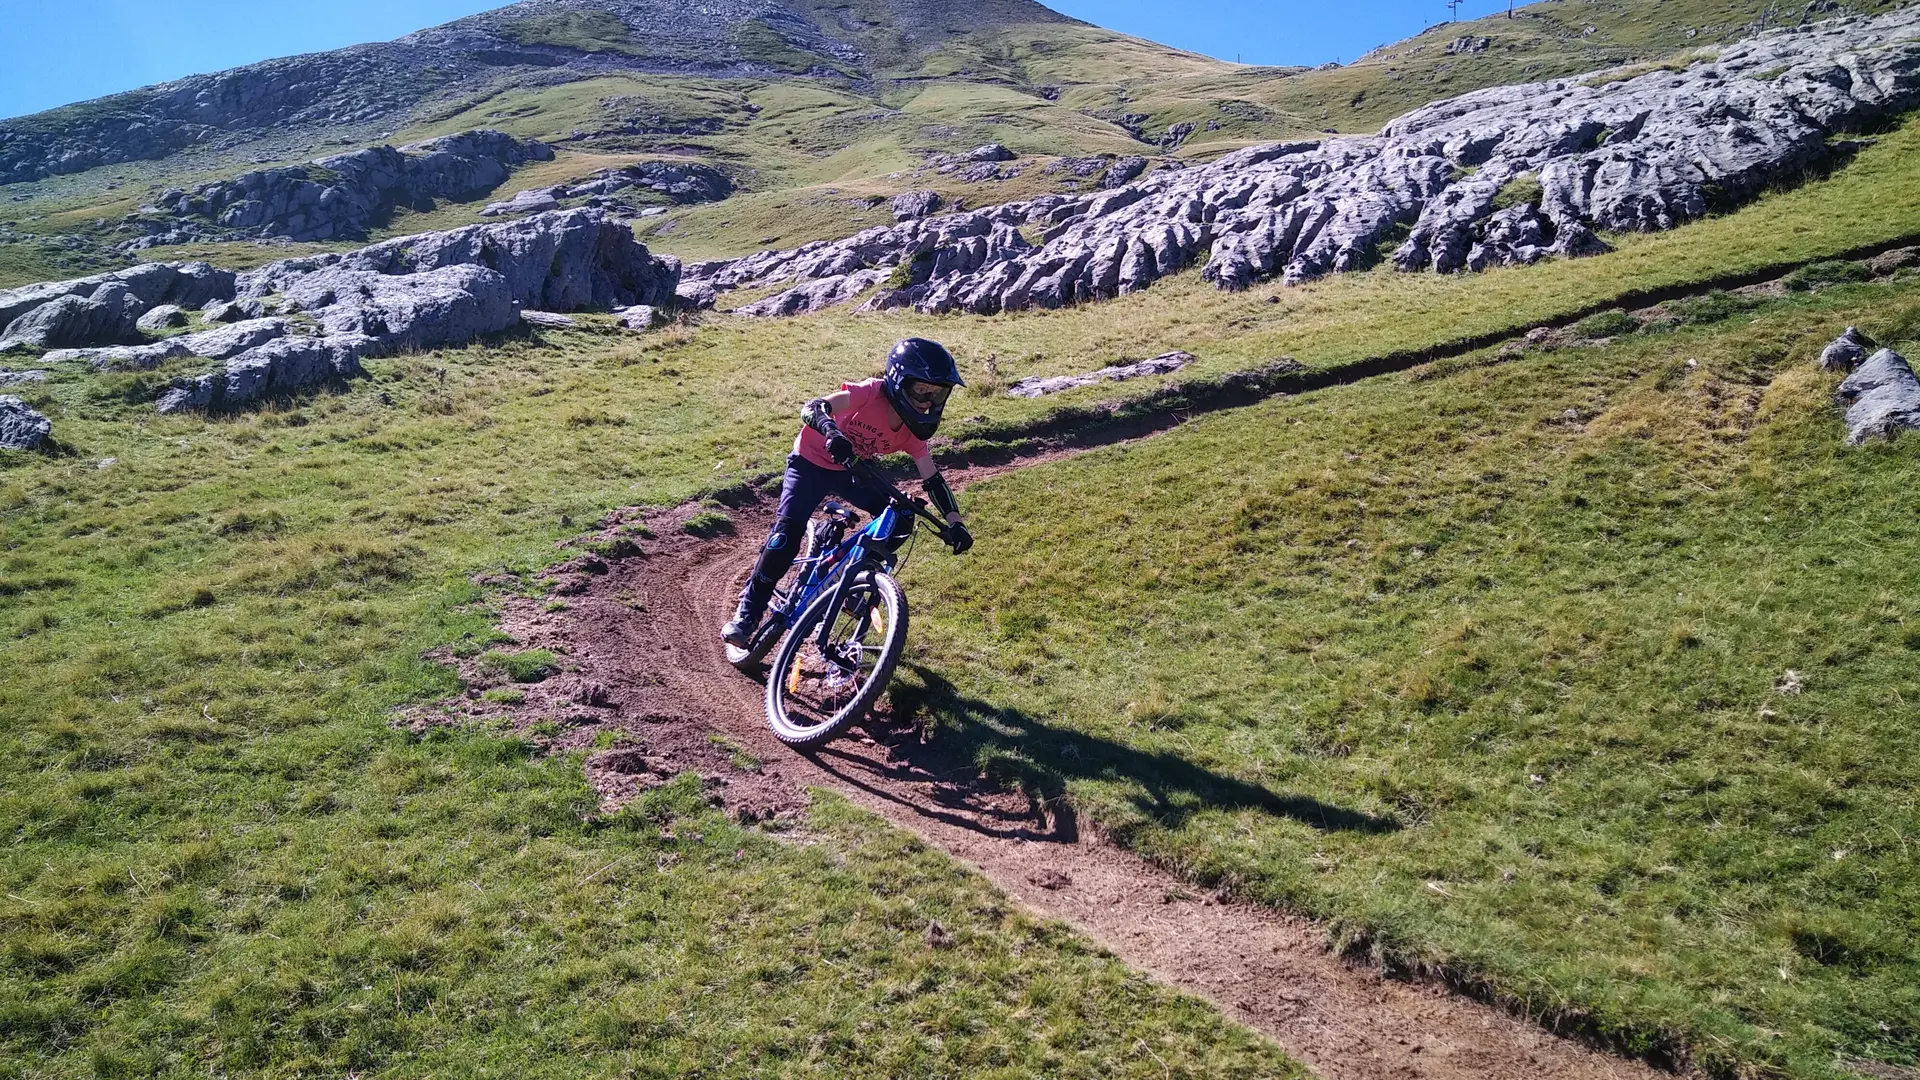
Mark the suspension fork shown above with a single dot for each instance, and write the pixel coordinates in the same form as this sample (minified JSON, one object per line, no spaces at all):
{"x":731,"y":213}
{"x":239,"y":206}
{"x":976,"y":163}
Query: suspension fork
{"x":855,"y":566}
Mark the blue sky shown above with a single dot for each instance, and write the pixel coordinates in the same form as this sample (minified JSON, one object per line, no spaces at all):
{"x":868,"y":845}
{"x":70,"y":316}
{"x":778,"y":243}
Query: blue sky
{"x":57,"y":51}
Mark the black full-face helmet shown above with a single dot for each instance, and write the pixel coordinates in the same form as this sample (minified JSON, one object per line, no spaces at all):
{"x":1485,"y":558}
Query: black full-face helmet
{"x":920,"y":375}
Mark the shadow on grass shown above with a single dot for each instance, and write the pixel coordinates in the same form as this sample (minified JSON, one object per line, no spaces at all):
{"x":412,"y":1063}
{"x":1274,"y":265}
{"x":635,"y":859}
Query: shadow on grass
{"x":1002,"y":772}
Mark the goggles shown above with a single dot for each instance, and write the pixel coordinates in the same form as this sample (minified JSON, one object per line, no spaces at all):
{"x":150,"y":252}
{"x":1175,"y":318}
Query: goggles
{"x":926,"y":396}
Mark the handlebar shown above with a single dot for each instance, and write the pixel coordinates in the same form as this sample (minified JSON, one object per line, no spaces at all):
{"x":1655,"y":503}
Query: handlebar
{"x":899,"y":498}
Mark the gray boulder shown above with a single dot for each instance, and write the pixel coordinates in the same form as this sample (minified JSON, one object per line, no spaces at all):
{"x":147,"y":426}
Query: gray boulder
{"x":1882,"y":397}
{"x":447,"y":305}
{"x":991,"y":152}
{"x":642,"y":317}
{"x":21,"y":378}
{"x":1845,"y":351}
{"x":1123,"y":171}
{"x":163,"y":317}
{"x":552,"y":320}
{"x":233,"y":311}
{"x":567,"y":260}
{"x":695,"y":296}
{"x":915,"y":204}
{"x":536,"y":201}
{"x":21,"y":428}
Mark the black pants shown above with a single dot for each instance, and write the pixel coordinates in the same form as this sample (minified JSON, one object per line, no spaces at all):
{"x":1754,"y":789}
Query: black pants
{"x":806,"y":485}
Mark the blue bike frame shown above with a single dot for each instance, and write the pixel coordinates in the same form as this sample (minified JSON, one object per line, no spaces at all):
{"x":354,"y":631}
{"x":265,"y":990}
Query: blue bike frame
{"x":828,"y":568}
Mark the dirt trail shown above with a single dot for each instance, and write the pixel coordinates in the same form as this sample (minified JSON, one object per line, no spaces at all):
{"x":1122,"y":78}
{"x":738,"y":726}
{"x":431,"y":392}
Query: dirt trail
{"x":641,"y":630}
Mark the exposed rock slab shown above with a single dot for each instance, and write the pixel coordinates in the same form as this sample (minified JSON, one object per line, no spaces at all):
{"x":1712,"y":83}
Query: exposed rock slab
{"x":1882,"y":397}
{"x":910,"y":205}
{"x":1507,"y":175}
{"x":164,"y":317}
{"x":1040,"y":386}
{"x":681,"y":181}
{"x":284,"y":366}
{"x":21,"y":428}
{"x":218,"y":344}
{"x":824,"y":292}
{"x":147,"y":286}
{"x":568,"y":260}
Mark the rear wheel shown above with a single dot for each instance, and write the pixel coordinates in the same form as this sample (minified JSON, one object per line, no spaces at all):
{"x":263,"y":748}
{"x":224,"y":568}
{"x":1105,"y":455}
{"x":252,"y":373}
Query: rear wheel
{"x":814,"y":694}
{"x":820,"y":536}
{"x":764,"y":638}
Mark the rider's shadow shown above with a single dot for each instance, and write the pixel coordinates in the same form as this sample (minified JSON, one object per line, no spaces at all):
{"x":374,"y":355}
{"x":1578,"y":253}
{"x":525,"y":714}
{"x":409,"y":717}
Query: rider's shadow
{"x":1001,"y":771}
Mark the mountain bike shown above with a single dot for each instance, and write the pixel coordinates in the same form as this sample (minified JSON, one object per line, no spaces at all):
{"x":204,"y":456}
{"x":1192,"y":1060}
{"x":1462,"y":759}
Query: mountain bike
{"x":838,"y":652}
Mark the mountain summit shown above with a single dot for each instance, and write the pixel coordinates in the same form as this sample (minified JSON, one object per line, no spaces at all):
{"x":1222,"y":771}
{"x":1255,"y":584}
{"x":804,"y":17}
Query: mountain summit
{"x":367,"y":90}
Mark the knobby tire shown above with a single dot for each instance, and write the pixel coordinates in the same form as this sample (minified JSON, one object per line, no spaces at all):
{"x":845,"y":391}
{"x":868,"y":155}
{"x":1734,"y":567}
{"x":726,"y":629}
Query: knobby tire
{"x":809,"y":700}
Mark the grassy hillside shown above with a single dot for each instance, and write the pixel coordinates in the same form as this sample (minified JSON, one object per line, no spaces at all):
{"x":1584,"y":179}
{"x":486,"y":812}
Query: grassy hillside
{"x":813,"y":150}
{"x":1621,"y":638}
{"x":208,"y":619}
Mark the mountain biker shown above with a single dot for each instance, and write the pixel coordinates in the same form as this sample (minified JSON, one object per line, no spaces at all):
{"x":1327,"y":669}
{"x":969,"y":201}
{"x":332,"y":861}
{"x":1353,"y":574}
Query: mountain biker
{"x":895,"y":413}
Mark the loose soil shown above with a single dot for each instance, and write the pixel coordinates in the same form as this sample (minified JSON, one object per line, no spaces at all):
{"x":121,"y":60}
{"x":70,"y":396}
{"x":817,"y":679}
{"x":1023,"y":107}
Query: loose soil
{"x":637,"y":636}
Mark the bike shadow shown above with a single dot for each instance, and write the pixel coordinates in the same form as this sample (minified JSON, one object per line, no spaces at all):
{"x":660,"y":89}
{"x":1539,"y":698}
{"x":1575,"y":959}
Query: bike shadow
{"x":1002,"y":772}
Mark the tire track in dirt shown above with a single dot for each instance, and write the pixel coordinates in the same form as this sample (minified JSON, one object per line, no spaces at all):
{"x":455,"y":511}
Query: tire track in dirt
{"x":642,"y":632}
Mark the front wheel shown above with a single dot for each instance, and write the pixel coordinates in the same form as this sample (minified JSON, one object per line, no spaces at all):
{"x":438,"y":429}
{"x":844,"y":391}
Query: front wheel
{"x":812,"y":695}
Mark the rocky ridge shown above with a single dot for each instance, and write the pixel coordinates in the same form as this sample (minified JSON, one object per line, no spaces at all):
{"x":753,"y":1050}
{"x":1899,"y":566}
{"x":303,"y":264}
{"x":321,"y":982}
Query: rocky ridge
{"x":1507,"y":175}
{"x":365,"y":90}
{"x":342,"y":196}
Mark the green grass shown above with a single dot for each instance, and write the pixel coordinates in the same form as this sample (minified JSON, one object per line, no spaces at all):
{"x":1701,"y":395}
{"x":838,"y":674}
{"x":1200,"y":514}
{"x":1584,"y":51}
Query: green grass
{"x":709,"y":523}
{"x":172,"y":678}
{"x":1606,"y":324}
{"x":222,"y":854}
{"x":1522,"y":190}
{"x":531,"y":666}
{"x":1492,"y":671}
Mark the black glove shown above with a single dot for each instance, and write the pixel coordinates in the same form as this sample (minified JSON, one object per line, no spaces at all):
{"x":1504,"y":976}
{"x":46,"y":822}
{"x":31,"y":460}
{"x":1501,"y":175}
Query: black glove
{"x":958,"y":538}
{"x":840,"y":449}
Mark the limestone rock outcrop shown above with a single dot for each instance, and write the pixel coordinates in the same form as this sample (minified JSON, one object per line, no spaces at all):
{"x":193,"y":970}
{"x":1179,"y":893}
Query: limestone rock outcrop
{"x":1845,"y":352}
{"x":114,"y":315}
{"x":314,"y":318}
{"x":681,"y":181}
{"x":1040,"y":386}
{"x":217,"y":344}
{"x":912,"y":205}
{"x":1499,"y":176}
{"x":567,"y":260}
{"x":345,"y":195}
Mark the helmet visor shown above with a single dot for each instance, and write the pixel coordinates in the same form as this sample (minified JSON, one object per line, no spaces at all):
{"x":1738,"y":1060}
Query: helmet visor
{"x":925,"y":396}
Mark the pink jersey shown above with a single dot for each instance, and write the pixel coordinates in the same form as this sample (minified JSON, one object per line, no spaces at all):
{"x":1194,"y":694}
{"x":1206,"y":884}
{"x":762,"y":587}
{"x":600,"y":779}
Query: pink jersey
{"x":867,"y":421}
